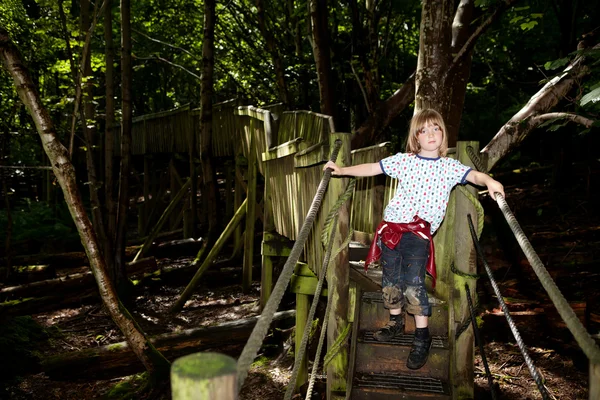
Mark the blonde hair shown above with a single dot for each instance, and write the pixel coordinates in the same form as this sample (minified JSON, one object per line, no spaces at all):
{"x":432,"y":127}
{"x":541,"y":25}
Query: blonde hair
{"x":417,"y":122}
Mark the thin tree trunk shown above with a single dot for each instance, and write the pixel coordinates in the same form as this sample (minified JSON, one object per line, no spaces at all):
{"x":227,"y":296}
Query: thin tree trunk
{"x":63,"y":169}
{"x":110,"y":212}
{"x":126,"y":122}
{"x":208,"y":173}
{"x":273,"y":50}
{"x":88,"y":115}
{"x":321,"y":52}
{"x":4,"y":146}
{"x":457,"y":80}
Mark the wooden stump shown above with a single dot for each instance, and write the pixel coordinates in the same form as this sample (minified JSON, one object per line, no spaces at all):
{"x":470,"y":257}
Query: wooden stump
{"x":204,"y":376}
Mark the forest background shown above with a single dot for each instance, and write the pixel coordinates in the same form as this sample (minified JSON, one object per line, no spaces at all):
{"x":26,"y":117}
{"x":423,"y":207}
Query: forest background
{"x":368,"y":64}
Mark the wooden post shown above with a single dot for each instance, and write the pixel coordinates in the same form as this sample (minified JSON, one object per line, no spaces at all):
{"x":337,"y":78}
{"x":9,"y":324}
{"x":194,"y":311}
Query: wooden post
{"x":302,"y":309}
{"x":146,"y":208}
{"x":251,"y":212}
{"x":594,"y":392}
{"x":338,"y":277}
{"x":229,"y":182}
{"x":266,"y":277}
{"x":204,"y":376}
{"x":173,"y":190}
{"x":465,"y":260}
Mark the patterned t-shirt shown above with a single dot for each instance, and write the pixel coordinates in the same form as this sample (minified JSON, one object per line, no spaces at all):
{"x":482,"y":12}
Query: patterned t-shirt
{"x":424,"y":186}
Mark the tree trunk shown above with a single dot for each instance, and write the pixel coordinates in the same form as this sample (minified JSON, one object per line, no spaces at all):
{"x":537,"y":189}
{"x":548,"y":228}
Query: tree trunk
{"x":272,"y":47}
{"x":379,"y":119}
{"x":208,"y":173}
{"x":434,"y":56}
{"x":72,"y":259}
{"x":110,"y":211}
{"x":63,"y":169}
{"x":69,"y":283}
{"x":321,"y":52}
{"x":126,"y":123}
{"x":458,"y":78}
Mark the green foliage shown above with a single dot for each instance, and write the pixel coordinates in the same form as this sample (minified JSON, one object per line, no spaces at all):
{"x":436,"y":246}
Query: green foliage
{"x":38,"y":221}
{"x":591,"y":97}
{"x":19,"y":340}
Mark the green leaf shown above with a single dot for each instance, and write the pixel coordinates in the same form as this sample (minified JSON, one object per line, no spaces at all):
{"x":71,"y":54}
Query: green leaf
{"x":561,"y":62}
{"x":593,"y":97}
{"x":527,"y":26}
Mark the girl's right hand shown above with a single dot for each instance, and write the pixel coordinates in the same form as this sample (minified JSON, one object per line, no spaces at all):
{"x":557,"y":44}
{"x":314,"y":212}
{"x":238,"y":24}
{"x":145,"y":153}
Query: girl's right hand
{"x":335,"y":170}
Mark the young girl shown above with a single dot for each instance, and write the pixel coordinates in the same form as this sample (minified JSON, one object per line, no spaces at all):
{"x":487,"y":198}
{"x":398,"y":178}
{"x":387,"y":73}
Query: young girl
{"x":426,"y":177}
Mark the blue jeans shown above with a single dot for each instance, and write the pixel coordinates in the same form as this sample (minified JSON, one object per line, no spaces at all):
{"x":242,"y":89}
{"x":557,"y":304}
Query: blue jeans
{"x":403,"y":282}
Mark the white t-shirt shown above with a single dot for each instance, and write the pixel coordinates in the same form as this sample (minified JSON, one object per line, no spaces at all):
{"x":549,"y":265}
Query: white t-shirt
{"x":424,"y":187}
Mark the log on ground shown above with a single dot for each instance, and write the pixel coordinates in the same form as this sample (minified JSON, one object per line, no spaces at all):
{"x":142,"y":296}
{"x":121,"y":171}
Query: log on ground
{"x":117,"y":359}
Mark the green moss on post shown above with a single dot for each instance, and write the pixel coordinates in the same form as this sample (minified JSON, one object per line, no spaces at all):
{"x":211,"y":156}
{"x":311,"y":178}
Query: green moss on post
{"x":204,"y":376}
{"x":465,"y":261}
{"x":594,"y":392}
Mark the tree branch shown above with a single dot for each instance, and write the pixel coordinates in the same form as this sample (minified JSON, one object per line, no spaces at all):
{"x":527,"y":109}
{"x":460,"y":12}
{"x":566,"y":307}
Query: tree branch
{"x":579,"y":119}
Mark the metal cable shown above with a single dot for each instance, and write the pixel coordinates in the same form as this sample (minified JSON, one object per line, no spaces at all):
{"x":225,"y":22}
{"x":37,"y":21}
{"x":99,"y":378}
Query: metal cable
{"x":534,"y":372}
{"x":480,"y":343}
{"x":264,"y":321}
{"x":475,"y":159}
{"x":583,"y":338}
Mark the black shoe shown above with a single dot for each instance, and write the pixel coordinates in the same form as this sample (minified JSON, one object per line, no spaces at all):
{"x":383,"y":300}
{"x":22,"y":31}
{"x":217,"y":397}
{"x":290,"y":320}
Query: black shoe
{"x":418,"y":353}
{"x":393,"y":329}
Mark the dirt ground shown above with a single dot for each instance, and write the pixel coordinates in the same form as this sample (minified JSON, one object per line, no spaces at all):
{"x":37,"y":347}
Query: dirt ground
{"x":563,"y":228}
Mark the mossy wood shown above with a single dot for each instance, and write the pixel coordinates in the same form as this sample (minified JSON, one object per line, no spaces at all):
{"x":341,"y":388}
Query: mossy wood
{"x":465,"y":260}
{"x":303,"y":302}
{"x":594,"y":381}
{"x":254,"y":131}
{"x":338,"y":277}
{"x":206,"y":376}
{"x":117,"y":359}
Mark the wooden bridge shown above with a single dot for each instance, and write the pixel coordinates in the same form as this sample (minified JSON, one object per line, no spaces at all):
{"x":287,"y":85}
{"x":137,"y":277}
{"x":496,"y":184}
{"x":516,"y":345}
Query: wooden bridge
{"x":288,"y":149}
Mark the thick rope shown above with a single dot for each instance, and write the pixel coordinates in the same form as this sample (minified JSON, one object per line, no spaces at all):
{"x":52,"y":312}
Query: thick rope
{"x":311,"y":315}
{"x":533,"y":371}
{"x":480,"y":343}
{"x":476,"y":160}
{"x":327,"y":225}
{"x":583,"y":338}
{"x":313,"y":375}
{"x":264,"y":321}
{"x":336,"y":346}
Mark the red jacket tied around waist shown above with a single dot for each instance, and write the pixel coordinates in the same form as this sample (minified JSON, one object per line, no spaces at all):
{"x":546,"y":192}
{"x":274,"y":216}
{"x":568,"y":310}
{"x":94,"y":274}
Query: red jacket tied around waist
{"x":390,"y":234}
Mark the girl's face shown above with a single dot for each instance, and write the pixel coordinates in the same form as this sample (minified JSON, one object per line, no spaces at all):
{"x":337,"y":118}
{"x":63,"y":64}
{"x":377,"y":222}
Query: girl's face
{"x":430,"y":139}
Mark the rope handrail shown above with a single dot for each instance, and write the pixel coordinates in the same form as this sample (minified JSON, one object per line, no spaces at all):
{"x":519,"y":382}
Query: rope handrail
{"x":311,"y":315}
{"x":532,"y":370}
{"x":583,"y":338}
{"x":262,"y":326}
